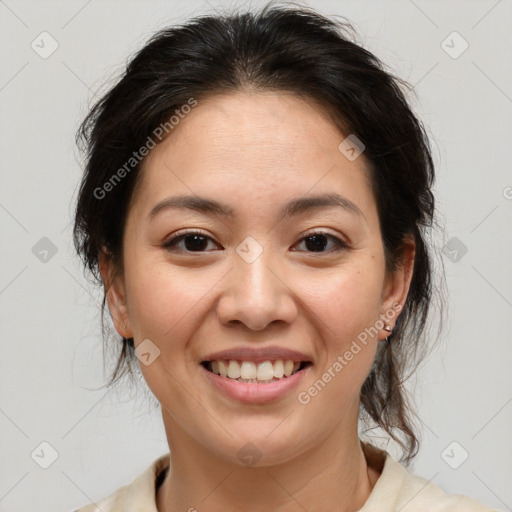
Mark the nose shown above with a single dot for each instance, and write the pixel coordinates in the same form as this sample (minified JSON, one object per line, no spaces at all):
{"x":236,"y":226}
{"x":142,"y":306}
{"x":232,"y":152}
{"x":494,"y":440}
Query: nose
{"x":256,"y":294}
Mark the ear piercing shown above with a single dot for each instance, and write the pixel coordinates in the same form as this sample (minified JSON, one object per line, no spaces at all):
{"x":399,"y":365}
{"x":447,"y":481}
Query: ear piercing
{"x":387,"y":328}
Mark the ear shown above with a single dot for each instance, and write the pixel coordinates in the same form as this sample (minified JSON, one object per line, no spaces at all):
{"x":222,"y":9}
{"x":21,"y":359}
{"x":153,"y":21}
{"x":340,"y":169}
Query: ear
{"x":397,"y":284}
{"x":115,"y":293}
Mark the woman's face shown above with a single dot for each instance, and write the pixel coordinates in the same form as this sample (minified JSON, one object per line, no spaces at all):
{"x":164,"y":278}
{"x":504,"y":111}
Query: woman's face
{"x":272,"y":275}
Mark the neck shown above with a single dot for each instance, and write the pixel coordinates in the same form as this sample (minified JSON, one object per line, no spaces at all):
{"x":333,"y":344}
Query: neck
{"x":333,"y":476}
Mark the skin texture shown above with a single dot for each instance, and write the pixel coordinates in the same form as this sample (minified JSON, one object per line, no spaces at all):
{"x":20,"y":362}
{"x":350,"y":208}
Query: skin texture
{"x":255,"y":151}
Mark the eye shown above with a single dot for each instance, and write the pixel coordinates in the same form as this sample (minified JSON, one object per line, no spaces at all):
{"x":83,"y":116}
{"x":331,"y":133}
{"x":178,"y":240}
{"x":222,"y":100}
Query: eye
{"x":197,"y":241}
{"x":190,"y":241}
{"x":318,"y":240}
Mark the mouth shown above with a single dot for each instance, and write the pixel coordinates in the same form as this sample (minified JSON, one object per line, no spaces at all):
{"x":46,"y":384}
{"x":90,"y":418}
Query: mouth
{"x":256,"y":372}
{"x":262,"y":375}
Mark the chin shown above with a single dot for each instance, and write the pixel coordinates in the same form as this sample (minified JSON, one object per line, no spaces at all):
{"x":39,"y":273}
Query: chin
{"x":263,"y":445}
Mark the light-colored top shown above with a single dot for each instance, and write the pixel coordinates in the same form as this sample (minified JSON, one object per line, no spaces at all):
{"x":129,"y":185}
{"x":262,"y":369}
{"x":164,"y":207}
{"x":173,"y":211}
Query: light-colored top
{"x":395,"y":490}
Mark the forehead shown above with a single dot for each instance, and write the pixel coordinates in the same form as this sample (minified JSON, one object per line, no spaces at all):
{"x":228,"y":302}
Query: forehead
{"x":253,"y":145}
{"x":266,"y":121}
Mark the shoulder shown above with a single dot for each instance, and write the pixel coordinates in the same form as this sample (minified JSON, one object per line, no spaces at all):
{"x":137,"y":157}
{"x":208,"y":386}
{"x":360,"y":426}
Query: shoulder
{"x":112,"y":503}
{"x":138,"y":495}
{"x":418,"y":494}
{"x":399,"y":489}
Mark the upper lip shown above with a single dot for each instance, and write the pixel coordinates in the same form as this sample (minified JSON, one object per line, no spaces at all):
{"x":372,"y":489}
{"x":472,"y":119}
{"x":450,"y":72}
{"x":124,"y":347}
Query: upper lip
{"x":272,"y":353}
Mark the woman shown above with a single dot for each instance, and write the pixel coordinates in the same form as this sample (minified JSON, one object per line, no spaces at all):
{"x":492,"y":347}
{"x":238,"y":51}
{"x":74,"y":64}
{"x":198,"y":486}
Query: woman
{"x":255,"y":203}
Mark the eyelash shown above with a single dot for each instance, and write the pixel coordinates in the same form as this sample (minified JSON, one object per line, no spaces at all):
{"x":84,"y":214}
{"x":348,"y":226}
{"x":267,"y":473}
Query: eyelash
{"x":170,"y":244}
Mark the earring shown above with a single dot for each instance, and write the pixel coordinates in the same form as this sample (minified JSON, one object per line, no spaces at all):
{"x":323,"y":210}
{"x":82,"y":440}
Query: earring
{"x":387,"y":328}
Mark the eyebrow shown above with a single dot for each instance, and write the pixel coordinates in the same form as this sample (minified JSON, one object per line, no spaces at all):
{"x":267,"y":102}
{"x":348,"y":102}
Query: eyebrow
{"x":293,"y":207}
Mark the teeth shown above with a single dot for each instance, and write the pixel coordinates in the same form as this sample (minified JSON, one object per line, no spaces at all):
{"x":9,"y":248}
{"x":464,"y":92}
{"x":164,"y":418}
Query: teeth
{"x":223,"y":369}
{"x":233,"y":370}
{"x":265,"y":371}
{"x":248,"y":371}
{"x":278,"y":369}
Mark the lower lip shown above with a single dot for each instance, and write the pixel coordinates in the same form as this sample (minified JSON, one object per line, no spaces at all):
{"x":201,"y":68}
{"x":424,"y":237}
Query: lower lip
{"x":252,"y":392}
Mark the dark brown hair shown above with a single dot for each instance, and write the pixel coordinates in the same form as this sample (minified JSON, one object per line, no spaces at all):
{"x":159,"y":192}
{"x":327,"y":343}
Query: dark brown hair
{"x":276,"y":49}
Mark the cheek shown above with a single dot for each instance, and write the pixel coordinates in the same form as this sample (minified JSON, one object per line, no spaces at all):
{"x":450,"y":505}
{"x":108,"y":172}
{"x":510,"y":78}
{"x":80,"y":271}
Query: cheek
{"x":165,"y":306}
{"x":162,"y":301}
{"x":348,"y":301}
{"x":347,"y":306}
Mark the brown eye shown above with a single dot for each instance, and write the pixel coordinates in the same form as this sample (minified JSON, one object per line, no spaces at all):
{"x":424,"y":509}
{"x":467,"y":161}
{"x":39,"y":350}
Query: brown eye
{"x":320,"y":242}
{"x":193,"y":241}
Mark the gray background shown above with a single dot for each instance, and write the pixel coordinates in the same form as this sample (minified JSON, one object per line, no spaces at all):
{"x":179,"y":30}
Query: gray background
{"x":51,"y":363}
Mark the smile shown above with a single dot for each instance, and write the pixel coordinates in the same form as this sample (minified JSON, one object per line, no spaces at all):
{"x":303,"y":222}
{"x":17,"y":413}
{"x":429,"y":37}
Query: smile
{"x":249,"y":371}
{"x":255,"y":381}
